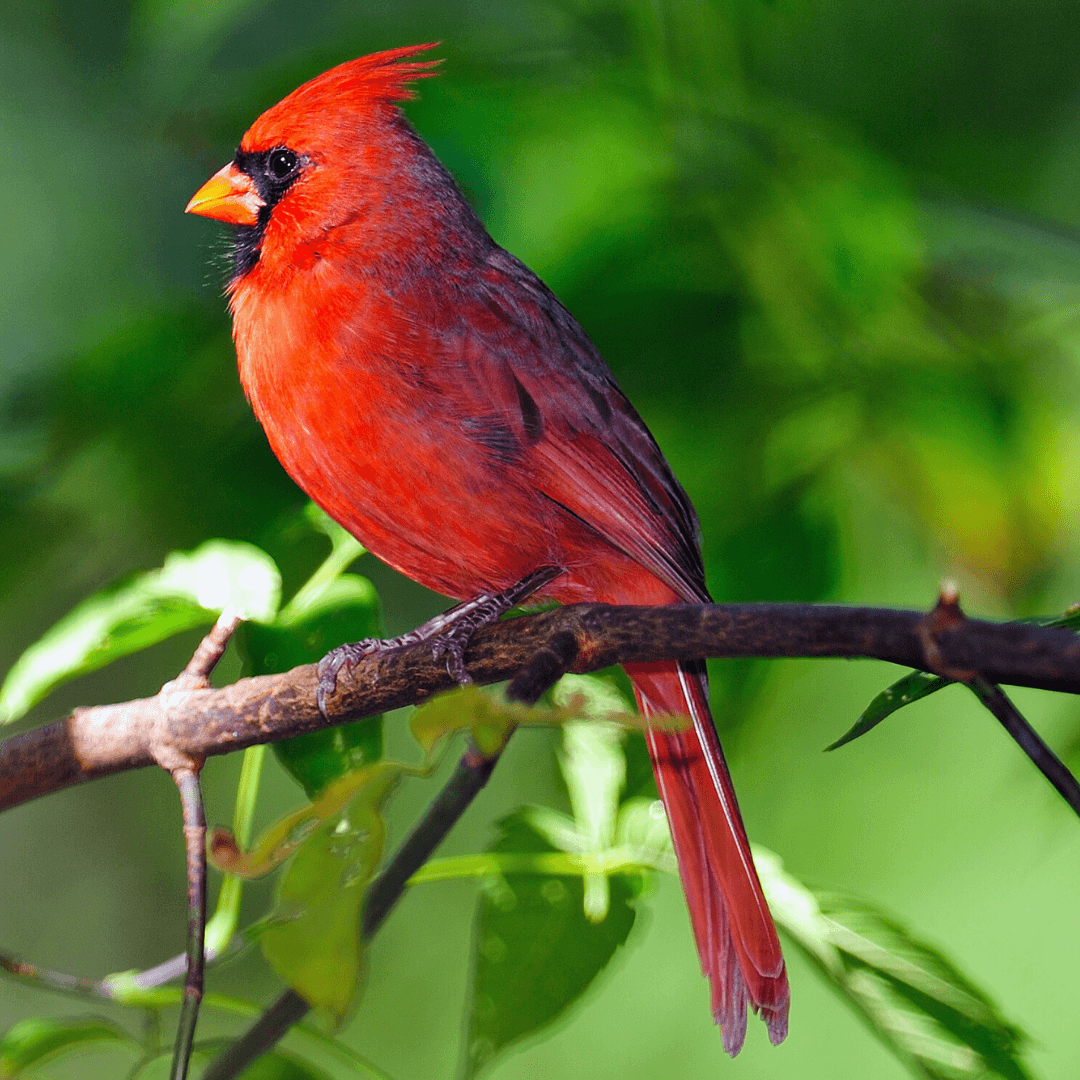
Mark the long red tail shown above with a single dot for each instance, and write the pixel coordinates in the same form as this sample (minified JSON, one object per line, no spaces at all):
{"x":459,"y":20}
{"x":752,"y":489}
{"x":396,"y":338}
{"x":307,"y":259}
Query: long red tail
{"x":736,"y":938}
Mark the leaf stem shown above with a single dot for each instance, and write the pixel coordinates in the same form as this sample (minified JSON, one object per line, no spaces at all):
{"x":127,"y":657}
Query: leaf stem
{"x":566,"y":864}
{"x":222,"y":926}
{"x":344,"y":552}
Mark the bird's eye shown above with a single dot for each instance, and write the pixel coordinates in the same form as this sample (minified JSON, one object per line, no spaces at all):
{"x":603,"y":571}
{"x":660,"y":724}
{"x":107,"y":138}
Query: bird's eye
{"x":282,"y":163}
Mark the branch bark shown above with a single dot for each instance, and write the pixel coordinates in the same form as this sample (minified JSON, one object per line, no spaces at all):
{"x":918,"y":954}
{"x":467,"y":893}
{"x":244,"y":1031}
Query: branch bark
{"x":106,"y":739}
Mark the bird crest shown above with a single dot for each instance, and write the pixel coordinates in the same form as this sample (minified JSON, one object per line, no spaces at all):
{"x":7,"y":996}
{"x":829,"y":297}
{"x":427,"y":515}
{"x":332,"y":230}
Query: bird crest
{"x":379,"y":79}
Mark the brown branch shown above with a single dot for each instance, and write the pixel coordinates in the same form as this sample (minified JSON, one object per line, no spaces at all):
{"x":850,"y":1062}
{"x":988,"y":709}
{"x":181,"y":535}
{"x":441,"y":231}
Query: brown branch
{"x":105,"y":739}
{"x":196,"y":675}
{"x":191,"y":800}
{"x":1028,"y":739}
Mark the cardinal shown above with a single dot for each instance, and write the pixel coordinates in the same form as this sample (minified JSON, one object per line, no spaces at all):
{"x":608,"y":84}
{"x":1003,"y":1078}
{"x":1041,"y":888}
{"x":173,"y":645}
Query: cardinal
{"x":430,"y":393}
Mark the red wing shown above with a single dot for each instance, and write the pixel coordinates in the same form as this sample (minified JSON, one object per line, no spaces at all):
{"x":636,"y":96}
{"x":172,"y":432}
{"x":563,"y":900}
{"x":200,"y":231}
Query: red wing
{"x":552,"y":400}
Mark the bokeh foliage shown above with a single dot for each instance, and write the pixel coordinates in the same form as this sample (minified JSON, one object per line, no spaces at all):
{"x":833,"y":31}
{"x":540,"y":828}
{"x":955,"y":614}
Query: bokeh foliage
{"x":829,"y":250}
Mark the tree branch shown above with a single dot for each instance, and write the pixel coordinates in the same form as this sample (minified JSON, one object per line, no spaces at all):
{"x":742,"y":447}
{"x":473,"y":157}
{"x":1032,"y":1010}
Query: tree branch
{"x":1028,"y":739}
{"x":106,"y":739}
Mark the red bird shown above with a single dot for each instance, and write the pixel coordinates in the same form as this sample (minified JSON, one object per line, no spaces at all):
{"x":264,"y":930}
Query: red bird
{"x":428,"y":391}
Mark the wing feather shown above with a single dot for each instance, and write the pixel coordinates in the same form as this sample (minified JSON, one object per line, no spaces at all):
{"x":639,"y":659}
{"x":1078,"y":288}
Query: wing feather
{"x":580,"y":442}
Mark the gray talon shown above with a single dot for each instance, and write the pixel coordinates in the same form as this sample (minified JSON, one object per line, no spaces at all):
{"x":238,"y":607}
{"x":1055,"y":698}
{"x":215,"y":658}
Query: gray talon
{"x":449,"y":634}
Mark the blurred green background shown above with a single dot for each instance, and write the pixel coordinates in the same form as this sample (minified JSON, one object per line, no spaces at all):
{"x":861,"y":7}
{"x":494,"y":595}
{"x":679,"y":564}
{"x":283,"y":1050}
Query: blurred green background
{"x":830,"y":249}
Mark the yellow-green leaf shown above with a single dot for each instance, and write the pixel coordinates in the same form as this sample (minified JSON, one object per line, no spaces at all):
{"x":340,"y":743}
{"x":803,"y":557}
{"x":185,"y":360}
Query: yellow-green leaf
{"x":190,"y":589}
{"x":35,"y":1041}
{"x":313,"y":936}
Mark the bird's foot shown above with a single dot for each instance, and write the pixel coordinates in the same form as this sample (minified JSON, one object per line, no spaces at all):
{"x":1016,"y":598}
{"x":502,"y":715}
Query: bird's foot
{"x":451,"y":633}
{"x":349,"y":655}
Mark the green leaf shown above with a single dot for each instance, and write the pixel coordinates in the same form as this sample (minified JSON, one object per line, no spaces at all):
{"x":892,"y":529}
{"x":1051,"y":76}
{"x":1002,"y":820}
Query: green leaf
{"x":1067,"y":620}
{"x":643,"y":827}
{"x":344,"y":609}
{"x":912,"y":687}
{"x":340,"y":538}
{"x":189,"y":590}
{"x":319,"y":758}
{"x":312,"y":939}
{"x":33,"y":1042}
{"x":932,"y":1018}
{"x":488,"y":718}
{"x":594,"y":768}
{"x":535,"y":952}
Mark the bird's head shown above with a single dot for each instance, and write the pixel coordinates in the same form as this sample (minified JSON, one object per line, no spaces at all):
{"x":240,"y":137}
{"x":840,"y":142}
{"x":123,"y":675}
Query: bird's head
{"x":327,"y":154}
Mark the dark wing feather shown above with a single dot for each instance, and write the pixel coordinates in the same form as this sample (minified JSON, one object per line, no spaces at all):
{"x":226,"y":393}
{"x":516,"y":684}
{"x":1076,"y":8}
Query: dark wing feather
{"x":580,"y":440}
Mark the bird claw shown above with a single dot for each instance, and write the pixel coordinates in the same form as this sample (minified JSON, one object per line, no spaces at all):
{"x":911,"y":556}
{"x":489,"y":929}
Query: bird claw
{"x":454,"y":651}
{"x":450,"y":634}
{"x":454,"y":640}
{"x":344,"y":656}
{"x":458,"y":625}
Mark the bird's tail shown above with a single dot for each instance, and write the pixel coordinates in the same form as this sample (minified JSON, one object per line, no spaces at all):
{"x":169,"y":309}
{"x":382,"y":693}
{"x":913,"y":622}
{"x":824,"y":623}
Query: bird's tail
{"x":736,"y":939}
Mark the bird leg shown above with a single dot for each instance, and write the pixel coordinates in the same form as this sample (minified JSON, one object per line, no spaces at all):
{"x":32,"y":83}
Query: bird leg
{"x":450,"y":633}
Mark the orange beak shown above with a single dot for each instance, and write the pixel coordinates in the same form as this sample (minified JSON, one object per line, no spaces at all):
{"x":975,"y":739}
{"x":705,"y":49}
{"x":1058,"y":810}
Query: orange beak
{"x":229,"y":195}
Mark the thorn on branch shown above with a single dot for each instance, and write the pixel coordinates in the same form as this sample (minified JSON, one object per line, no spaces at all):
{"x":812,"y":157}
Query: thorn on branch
{"x":945,"y":617}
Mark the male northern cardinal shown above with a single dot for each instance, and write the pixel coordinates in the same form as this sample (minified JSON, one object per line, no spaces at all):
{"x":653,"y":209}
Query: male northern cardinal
{"x":431,"y":394}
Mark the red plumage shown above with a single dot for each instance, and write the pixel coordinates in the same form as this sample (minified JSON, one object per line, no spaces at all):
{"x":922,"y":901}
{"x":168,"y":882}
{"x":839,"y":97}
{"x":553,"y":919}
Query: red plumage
{"x":432,"y":395}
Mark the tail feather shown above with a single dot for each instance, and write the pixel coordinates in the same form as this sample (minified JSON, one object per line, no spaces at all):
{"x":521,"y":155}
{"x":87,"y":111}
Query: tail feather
{"x":736,"y":939}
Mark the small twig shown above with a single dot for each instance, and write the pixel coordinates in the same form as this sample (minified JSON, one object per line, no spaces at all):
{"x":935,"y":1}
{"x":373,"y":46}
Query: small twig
{"x":163,"y":973}
{"x":468,"y":780}
{"x":184,"y":768}
{"x":220,"y":936}
{"x":110,"y":988}
{"x":107,"y":989}
{"x":211,"y":649}
{"x":187,"y":782}
{"x":176,"y":966}
{"x":1027,"y":738}
{"x":57,"y":981}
